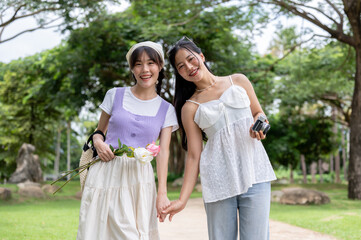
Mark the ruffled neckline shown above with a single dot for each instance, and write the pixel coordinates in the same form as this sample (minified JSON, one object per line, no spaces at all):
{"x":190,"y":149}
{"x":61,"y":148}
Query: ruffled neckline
{"x":209,"y":112}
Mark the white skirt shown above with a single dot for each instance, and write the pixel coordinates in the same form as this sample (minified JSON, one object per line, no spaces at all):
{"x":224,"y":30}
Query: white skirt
{"x":119,"y":202}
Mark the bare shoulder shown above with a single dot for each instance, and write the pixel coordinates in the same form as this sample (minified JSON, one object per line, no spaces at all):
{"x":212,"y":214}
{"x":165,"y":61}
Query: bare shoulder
{"x":241,"y":80}
{"x":188,"y":110}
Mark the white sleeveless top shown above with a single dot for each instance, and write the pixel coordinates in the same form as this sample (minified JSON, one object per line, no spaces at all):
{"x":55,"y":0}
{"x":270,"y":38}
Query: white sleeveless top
{"x":231,"y":161}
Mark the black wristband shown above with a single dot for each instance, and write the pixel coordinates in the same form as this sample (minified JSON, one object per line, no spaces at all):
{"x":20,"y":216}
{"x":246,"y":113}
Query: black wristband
{"x":90,"y":139}
{"x":98,"y":132}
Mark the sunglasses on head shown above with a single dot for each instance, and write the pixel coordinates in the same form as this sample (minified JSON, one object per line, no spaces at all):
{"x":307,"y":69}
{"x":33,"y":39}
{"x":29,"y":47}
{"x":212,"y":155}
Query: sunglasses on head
{"x":184,"y":38}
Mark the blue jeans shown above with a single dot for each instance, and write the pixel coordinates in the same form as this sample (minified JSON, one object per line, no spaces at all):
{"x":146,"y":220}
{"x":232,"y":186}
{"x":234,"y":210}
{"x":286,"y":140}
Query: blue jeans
{"x":253,"y":207}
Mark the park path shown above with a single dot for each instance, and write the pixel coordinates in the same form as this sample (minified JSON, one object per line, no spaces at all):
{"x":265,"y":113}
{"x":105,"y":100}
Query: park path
{"x":191,"y":224}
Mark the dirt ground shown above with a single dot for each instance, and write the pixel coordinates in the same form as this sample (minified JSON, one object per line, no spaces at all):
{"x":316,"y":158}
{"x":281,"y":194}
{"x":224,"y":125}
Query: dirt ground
{"x":191,"y":224}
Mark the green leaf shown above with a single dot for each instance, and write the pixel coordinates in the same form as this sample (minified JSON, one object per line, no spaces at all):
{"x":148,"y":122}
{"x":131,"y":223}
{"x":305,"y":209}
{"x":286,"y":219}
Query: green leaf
{"x":111,"y":148}
{"x":117,"y":152}
{"x":119,"y":143}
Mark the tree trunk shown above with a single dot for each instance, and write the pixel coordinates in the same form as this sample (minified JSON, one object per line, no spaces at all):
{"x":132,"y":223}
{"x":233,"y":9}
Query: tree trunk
{"x":177,"y":155}
{"x":331,"y":163}
{"x":320,"y":170}
{"x":335,"y":142}
{"x":68,"y":148}
{"x":304,"y":170}
{"x":292,"y":180}
{"x":344,"y":153}
{"x":32,"y":125}
{"x":181,"y":155}
{"x":354,"y":167}
{"x":57,"y":152}
{"x":337,"y":167}
{"x":172,"y":155}
{"x":313,"y":171}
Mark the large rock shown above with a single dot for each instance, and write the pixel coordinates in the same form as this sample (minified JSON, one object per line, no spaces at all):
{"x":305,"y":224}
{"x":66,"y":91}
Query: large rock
{"x":276,"y":196}
{"x":301,"y":196}
{"x":5,"y":193}
{"x":28,"y":184}
{"x":47,"y":188}
{"x":281,"y":181}
{"x":198,"y":187}
{"x":32,"y":191}
{"x":78,"y":195}
{"x":28,"y":166}
{"x":178,"y":182}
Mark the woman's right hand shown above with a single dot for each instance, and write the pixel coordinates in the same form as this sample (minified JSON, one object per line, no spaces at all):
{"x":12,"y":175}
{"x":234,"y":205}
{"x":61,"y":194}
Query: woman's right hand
{"x":104,"y":152}
{"x":174,"y":207}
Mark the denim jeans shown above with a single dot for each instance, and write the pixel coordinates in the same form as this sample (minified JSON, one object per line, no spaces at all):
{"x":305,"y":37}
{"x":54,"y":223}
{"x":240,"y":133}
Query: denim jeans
{"x":253,"y":208}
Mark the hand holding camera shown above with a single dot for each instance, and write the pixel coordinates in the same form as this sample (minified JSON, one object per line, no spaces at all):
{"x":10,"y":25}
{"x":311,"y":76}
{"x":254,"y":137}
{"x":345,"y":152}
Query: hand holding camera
{"x":260,"y":127}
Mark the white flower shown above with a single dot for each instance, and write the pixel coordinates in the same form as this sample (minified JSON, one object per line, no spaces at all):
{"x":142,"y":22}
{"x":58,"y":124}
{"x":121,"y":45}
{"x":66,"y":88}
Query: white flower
{"x":143,"y":155}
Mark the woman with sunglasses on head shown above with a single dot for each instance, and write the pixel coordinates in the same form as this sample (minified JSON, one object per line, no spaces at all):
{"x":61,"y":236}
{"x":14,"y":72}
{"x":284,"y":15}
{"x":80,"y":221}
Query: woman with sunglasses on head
{"x":234,"y":168}
{"x":119,"y":200}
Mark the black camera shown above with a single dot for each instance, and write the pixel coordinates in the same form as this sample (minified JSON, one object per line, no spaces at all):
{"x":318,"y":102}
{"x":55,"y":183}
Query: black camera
{"x":261,"y":124}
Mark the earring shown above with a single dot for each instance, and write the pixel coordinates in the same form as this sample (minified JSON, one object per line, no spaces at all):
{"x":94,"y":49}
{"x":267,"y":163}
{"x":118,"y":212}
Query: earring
{"x":157,"y":82}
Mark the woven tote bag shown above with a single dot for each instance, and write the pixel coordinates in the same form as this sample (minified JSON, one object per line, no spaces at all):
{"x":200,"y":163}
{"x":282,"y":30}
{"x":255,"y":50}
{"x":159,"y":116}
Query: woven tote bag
{"x":86,"y":157}
{"x":88,"y":154}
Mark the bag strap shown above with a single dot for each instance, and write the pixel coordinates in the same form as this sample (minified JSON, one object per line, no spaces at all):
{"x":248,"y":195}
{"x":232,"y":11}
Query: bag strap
{"x":90,"y":139}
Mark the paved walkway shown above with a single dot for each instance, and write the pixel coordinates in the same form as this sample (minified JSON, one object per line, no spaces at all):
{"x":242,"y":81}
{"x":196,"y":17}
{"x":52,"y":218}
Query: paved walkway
{"x":191,"y":224}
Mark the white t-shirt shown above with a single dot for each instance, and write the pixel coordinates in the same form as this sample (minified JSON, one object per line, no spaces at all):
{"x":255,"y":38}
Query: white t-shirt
{"x":140,"y":107}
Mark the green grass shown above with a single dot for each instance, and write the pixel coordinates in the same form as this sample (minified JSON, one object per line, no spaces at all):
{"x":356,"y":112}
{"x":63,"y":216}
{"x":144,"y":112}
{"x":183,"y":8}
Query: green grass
{"x":341,"y":218}
{"x":56,"y":217}
{"x":42,"y":220}
{"x":52,"y":218}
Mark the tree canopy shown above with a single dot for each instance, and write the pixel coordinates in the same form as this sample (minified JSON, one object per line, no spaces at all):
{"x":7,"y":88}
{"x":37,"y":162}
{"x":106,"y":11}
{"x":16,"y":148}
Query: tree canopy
{"x":296,"y":83}
{"x":48,"y":14}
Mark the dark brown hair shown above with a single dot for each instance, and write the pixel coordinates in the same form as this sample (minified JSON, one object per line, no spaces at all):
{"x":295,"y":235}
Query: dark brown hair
{"x":154,"y":56}
{"x":183,"y":88}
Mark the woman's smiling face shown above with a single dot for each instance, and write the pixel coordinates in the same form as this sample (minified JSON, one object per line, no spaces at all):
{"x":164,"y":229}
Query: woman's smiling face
{"x":146,"y":71}
{"x":189,"y":65}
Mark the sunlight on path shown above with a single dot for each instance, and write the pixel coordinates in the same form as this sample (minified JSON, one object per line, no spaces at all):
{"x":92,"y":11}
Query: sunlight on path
{"x":191,"y":224}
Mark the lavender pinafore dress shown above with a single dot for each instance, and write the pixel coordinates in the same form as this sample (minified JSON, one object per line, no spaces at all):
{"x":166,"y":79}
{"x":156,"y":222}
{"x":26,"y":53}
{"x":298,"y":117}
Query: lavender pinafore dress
{"x":119,"y":197}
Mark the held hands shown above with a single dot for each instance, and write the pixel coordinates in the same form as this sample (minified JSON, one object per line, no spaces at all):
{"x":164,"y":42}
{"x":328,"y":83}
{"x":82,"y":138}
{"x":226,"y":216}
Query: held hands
{"x":103,"y":149}
{"x":175,"y":207}
{"x":162,"y":203}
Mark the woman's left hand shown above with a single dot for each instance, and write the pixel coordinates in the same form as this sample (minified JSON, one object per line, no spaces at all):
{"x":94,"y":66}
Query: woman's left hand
{"x":259,"y":135}
{"x":162,"y":203}
{"x":175,"y":207}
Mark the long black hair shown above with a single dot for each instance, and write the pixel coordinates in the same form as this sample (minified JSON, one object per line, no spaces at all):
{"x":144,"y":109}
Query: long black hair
{"x":183,"y":88}
{"x":154,"y":56}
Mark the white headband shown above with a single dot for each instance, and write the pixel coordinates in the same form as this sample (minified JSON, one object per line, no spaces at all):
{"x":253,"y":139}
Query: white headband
{"x":157,"y":47}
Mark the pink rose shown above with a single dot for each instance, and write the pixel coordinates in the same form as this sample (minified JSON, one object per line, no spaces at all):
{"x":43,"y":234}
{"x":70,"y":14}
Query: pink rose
{"x":154,"y":149}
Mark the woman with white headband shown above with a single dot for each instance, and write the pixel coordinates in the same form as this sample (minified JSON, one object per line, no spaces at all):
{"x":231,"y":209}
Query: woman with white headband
{"x":119,"y":198}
